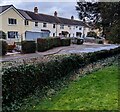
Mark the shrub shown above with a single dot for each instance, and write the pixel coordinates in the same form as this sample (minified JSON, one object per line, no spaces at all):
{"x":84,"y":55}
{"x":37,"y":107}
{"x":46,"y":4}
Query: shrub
{"x":3,"y":47}
{"x":80,"y":41}
{"x":2,"y":35}
{"x":65,"y":42}
{"x":57,"y":42}
{"x":18,"y":82}
{"x":44,"y":44}
{"x":28,"y":47}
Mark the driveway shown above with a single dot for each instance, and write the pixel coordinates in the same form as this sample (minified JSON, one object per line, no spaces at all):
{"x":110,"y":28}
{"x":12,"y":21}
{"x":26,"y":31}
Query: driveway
{"x":85,"y":48}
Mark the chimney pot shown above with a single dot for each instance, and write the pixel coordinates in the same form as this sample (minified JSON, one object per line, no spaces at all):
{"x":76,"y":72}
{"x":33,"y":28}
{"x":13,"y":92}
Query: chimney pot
{"x":72,"y":17}
{"x":55,"y":13}
{"x":36,"y":10}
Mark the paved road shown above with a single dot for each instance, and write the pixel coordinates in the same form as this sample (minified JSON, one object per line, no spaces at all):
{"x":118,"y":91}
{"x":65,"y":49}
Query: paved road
{"x":85,"y":48}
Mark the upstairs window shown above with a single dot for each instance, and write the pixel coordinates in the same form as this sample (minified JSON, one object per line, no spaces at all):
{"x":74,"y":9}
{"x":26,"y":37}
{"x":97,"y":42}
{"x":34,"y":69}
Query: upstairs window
{"x":80,"y":28}
{"x":26,"y":22}
{"x":53,"y":25}
{"x":61,"y":26}
{"x":12,"y":21}
{"x":36,"y":24}
{"x":44,"y":24}
{"x":12,"y":34}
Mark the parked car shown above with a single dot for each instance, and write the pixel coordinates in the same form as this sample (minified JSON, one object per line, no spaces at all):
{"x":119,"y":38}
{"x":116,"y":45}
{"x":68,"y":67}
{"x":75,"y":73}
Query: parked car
{"x":78,"y":40}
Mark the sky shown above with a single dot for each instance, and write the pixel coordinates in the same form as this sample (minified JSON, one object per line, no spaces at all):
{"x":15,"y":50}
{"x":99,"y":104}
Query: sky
{"x":64,"y":8}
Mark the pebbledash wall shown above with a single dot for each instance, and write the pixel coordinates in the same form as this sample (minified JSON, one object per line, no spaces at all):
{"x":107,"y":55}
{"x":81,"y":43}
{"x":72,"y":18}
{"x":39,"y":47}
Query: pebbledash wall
{"x":10,"y":11}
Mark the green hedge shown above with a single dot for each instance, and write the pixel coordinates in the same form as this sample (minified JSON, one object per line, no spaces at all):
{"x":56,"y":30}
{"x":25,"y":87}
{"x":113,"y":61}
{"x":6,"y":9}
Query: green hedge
{"x":44,"y":44}
{"x":3,"y":47}
{"x":28,"y":46}
{"x":19,"y":82}
{"x":65,"y":42}
{"x":57,"y":42}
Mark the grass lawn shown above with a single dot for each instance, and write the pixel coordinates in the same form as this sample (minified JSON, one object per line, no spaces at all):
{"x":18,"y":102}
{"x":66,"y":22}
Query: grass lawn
{"x":97,"y":91}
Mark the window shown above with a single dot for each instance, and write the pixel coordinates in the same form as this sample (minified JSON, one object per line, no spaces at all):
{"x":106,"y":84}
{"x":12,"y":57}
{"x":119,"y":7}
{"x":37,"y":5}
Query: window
{"x":53,"y":25}
{"x":78,"y":34}
{"x":26,"y":22}
{"x":76,"y":26}
{"x":73,"y":34}
{"x":12,"y":34}
{"x":61,"y":26}
{"x":36,"y":23}
{"x":80,"y":28}
{"x":12,"y":21}
{"x":53,"y":34}
{"x":44,"y":24}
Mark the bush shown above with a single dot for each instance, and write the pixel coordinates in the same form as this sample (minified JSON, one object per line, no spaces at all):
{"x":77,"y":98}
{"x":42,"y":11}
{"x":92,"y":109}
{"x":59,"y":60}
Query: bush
{"x":28,"y":47}
{"x":80,"y":41}
{"x":57,"y":42}
{"x":44,"y":44}
{"x":65,"y":42}
{"x":18,"y":82}
{"x":3,"y":47}
{"x":2,"y":35}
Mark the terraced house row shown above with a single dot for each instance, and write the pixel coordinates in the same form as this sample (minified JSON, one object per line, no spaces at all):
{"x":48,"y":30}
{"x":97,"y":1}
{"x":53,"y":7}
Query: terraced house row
{"x":26,"y":25}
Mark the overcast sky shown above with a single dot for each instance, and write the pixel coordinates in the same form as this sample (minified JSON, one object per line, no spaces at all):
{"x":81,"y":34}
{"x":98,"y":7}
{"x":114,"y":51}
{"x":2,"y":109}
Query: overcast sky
{"x":65,"y":9}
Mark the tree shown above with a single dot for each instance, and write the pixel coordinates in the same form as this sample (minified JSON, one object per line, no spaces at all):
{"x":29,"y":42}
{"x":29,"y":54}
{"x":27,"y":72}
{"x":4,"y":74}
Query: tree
{"x":110,"y":14}
{"x":105,"y":15}
{"x":88,"y":12}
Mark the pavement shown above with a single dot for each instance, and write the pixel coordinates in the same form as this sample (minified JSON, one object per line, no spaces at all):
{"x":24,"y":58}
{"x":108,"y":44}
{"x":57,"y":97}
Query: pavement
{"x":85,"y":48}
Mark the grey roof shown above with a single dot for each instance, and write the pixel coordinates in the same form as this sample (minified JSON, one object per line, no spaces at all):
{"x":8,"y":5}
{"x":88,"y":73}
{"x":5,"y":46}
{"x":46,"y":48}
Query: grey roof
{"x":3,"y":8}
{"x":29,"y":15}
{"x":24,"y":14}
{"x":54,"y":19}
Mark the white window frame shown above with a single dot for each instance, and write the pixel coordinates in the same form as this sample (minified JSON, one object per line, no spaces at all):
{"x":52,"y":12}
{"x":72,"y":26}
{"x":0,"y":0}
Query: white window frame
{"x":26,"y":22}
{"x":61,"y":26}
{"x":80,"y":28}
{"x":12,"y":21}
{"x":36,"y":24}
{"x":44,"y":25}
{"x":15,"y":34}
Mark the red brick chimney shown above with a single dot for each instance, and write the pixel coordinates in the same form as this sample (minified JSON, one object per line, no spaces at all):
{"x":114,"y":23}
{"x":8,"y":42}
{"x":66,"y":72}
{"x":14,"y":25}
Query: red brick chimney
{"x":72,"y":17}
{"x":35,"y":10}
{"x":55,"y":13}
